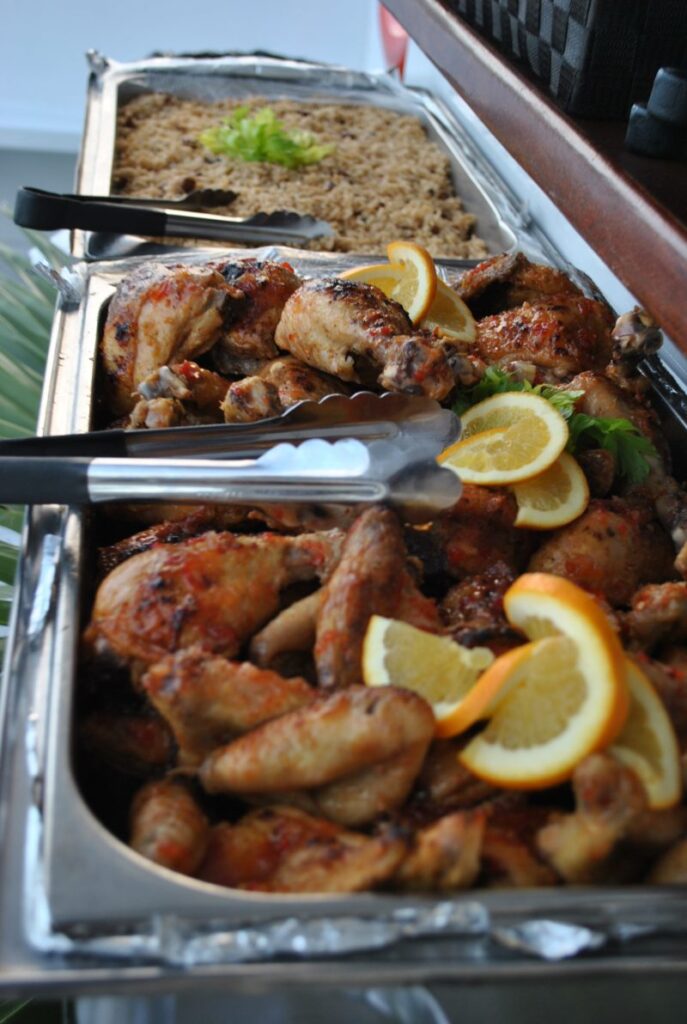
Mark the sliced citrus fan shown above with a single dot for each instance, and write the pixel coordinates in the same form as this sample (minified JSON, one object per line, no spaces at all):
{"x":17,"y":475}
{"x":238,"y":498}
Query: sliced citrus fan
{"x":507,"y":438}
{"x":647,"y":742}
{"x":551,"y":702}
{"x":554,"y":498}
{"x":440,"y":670}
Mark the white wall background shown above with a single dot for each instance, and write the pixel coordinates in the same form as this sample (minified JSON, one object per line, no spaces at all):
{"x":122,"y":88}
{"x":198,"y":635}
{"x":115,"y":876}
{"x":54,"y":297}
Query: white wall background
{"x":43,"y":71}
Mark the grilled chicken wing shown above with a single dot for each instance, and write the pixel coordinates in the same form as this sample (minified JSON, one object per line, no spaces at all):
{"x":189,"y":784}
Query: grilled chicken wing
{"x":183,"y":393}
{"x":473,"y":610}
{"x":445,"y":855}
{"x":608,"y":798}
{"x":168,"y":827}
{"x":283,"y":849}
{"x":370,"y":579}
{"x":559,"y":336}
{"x":138,"y":744}
{"x":658,"y":615}
{"x":362,"y":743}
{"x":207,"y":701}
{"x":214,"y":590}
{"x":264,"y":287}
{"x":476,"y":534}
{"x":353,"y":331}
{"x":160,"y":315}
{"x":292,"y":630}
{"x":509,"y":279}
{"x":603,"y":397}
{"x":276,"y":386}
{"x":611,"y":550}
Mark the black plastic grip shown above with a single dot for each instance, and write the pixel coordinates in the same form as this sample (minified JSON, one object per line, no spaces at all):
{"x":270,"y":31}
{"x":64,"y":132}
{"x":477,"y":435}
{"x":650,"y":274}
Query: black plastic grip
{"x":104,"y":443}
{"x":49,"y":211}
{"x":37,"y":481}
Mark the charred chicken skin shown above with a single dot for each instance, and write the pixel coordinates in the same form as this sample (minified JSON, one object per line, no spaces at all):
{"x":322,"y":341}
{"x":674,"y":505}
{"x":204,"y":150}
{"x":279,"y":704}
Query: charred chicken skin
{"x":160,"y":315}
{"x":351,"y":330}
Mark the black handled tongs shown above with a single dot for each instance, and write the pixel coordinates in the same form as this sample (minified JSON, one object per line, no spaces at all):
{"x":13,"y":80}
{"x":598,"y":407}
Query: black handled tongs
{"x":51,"y":211}
{"x":338,"y":451}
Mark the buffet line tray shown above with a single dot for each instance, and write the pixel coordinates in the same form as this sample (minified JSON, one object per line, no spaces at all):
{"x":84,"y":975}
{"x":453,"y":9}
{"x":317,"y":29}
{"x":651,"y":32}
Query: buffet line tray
{"x":80,"y":911}
{"x":501,"y":221}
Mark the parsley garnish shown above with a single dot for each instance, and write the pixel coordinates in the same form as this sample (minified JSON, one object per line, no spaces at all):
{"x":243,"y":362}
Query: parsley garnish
{"x":262,"y":138}
{"x":630,"y":448}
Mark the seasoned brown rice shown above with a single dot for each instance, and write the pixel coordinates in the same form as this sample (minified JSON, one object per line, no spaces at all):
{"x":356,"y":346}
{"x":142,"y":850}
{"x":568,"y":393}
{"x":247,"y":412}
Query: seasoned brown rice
{"x":384,"y":179}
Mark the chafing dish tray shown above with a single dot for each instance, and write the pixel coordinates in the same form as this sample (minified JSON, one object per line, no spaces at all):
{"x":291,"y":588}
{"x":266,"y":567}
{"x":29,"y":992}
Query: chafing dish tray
{"x":501,"y":222}
{"x":81,"y":912}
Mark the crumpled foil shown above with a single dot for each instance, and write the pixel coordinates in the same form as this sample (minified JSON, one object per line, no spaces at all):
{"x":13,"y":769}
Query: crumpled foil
{"x":331,"y":936}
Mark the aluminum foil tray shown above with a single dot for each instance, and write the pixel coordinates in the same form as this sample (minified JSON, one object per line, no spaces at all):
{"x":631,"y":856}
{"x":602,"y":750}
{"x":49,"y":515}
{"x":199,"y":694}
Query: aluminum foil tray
{"x":500,"y":221}
{"x":82,"y":912}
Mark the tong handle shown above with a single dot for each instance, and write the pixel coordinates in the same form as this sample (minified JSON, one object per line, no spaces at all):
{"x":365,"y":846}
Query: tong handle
{"x":65,"y":481}
{"x":50,"y":211}
{"x":37,"y":481}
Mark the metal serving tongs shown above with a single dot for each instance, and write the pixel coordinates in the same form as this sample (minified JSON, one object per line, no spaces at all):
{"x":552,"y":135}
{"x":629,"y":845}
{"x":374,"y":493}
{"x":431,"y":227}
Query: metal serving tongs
{"x":364,"y":449}
{"x":50,"y":211}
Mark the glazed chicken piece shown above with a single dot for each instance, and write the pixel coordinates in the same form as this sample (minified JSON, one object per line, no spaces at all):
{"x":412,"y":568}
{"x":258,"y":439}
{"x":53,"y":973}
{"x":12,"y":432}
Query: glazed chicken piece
{"x":604,"y":397}
{"x":291,"y":630}
{"x":370,"y":579}
{"x":671,"y":867}
{"x":283,"y":849}
{"x":183,"y":393}
{"x":134,"y":743}
{"x":510,"y":858}
{"x":445,"y":855}
{"x":669,"y":678}
{"x":611,"y":550}
{"x":508,"y":280}
{"x":559,"y":336}
{"x":207,"y":701}
{"x":160,"y":315}
{"x":608,"y":797}
{"x":353,"y":331}
{"x":658,"y":615}
{"x":473,"y":610}
{"x":354,"y":754}
{"x":200,"y":519}
{"x":215,"y":590}
{"x":277,"y":386}
{"x":474,"y":535}
{"x":444,"y":784}
{"x":264,"y":287}
{"x":168,"y":827}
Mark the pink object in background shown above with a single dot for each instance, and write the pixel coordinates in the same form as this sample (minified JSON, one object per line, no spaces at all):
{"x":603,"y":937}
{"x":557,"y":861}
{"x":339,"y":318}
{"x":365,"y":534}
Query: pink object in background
{"x":394,"y":41}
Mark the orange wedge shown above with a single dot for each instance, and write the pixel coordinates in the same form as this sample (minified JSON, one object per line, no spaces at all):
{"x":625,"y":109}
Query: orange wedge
{"x":410,"y":277}
{"x":647,"y":742}
{"x":437,"y":668}
{"x":418,"y":286}
{"x":551,"y":702}
{"x":554,"y":498}
{"x":449,"y":316}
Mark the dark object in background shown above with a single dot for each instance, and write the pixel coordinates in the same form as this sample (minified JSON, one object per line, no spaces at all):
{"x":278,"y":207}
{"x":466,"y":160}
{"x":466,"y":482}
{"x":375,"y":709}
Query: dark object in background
{"x":596,"y":57}
{"x":659,"y":129}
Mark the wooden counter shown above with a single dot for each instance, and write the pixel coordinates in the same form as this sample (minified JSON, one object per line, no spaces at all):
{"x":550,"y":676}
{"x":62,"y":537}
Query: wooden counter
{"x":632,"y":210}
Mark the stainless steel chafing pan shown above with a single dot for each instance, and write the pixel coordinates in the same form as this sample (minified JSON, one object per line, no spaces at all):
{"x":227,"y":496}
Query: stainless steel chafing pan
{"x":81,"y":911}
{"x":500,"y":222}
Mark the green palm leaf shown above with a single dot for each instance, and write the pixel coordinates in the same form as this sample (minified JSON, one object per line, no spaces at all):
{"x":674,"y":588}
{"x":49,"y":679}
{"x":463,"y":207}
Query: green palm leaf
{"x":27,"y":303}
